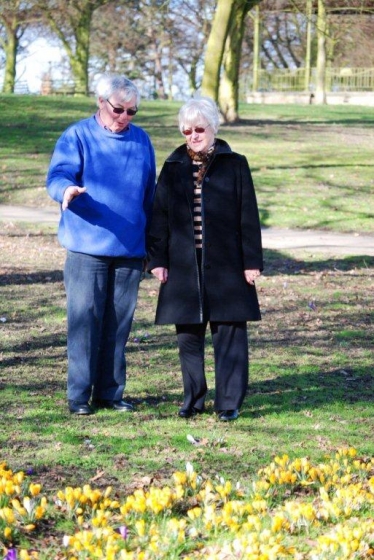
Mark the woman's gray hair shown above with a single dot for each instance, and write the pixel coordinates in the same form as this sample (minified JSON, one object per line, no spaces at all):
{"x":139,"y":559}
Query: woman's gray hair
{"x":196,"y":109}
{"x":114,"y":83}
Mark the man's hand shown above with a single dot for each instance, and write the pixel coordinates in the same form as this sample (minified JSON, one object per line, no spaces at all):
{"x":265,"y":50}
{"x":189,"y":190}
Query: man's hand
{"x":70,"y":193}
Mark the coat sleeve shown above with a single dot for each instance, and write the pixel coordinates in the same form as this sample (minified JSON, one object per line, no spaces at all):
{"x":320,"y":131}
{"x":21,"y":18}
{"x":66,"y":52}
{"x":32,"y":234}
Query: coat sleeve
{"x":158,"y":237}
{"x":249,"y":220}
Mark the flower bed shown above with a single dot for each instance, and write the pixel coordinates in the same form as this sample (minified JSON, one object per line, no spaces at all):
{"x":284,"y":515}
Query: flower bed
{"x":293,"y":509}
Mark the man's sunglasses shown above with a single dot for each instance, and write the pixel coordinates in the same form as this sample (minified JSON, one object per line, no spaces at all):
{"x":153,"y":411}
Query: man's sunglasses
{"x":198,"y":129}
{"x":120,"y":110}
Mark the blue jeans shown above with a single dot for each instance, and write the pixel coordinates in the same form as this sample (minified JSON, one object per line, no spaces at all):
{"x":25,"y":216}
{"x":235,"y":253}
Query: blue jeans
{"x":101,"y":298}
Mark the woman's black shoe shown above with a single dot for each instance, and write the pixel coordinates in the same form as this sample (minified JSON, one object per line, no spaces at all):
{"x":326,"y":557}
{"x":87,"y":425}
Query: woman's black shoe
{"x":227,"y":415}
{"x":189,"y":412}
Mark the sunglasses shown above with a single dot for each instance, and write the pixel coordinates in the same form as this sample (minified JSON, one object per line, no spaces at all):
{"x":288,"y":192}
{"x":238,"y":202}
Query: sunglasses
{"x":120,"y":110}
{"x":198,"y":129}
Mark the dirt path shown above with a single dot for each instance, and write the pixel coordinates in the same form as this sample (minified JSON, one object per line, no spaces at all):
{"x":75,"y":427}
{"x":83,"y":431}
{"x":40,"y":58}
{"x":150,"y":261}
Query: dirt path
{"x":312,"y":241}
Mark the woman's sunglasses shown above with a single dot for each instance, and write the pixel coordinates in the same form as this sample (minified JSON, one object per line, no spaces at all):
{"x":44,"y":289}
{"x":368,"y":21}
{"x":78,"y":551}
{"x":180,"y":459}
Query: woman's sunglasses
{"x":120,"y":110}
{"x":198,"y":129}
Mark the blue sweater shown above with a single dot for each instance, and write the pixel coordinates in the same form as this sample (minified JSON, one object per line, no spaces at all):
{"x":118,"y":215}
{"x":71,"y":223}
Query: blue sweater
{"x":119,"y":171}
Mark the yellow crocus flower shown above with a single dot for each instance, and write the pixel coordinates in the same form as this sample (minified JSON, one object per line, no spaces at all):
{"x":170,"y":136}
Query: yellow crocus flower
{"x":35,"y":489}
{"x":140,"y":527}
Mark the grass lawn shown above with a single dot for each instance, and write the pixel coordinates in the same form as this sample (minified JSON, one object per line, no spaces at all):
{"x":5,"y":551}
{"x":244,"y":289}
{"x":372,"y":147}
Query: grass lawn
{"x":311,"y":374}
{"x":312,"y":165}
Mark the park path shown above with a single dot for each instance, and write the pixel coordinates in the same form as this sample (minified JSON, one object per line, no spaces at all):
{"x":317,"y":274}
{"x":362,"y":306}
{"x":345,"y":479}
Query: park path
{"x":312,"y":241}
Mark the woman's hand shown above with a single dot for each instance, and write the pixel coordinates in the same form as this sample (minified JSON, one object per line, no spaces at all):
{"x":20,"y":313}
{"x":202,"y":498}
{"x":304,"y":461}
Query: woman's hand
{"x":70,"y":193}
{"x":251,"y":275}
{"x":161,"y":274}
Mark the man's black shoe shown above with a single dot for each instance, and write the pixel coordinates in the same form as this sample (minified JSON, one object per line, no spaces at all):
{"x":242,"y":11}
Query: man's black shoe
{"x":121,"y":406}
{"x":228,"y":415}
{"x":189,"y":412}
{"x":80,"y":408}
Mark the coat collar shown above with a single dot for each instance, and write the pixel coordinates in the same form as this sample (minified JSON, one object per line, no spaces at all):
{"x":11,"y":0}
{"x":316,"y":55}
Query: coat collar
{"x":180,"y":154}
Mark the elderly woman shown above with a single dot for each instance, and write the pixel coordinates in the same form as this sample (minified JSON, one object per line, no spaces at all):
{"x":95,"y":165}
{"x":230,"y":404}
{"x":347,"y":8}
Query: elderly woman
{"x":205,"y":249}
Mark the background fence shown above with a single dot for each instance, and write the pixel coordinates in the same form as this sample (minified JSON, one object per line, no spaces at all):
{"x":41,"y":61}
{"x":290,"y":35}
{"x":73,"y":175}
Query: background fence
{"x":337,"y":80}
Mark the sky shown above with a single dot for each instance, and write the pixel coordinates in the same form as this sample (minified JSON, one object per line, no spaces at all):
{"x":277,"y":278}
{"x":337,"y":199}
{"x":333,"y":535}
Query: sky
{"x":31,"y":68}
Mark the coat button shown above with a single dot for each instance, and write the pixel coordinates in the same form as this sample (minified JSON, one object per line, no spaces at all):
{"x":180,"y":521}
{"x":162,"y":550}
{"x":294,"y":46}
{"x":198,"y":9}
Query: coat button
{"x":206,"y":179}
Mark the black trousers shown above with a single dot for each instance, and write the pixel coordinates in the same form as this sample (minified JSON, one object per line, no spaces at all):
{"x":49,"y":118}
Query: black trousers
{"x":230,"y":343}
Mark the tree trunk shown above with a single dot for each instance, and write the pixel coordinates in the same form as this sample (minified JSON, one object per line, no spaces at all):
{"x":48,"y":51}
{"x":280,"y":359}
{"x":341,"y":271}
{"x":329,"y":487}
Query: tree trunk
{"x":192,"y":75}
{"x":158,"y":74}
{"x":229,"y":85}
{"x":320,"y":95}
{"x":170,"y":73}
{"x":10,"y":60}
{"x":226,"y":12}
{"x":79,"y":63}
{"x":256,"y":48}
{"x":308,"y":53}
{"x":216,"y":47}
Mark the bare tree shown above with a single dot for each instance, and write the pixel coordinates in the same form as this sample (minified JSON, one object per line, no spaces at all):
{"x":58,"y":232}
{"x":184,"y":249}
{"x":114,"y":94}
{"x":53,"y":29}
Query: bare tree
{"x":162,"y":41}
{"x":15,"y":18}
{"x":192,"y":22}
{"x":118,"y":39}
{"x":158,"y":41}
{"x":70,"y":21}
{"x":283,"y":37}
{"x":132,"y":37}
{"x":351,"y":32}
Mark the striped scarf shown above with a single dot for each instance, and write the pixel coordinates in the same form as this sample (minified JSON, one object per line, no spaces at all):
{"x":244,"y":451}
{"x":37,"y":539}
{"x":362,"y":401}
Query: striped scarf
{"x":201,"y":161}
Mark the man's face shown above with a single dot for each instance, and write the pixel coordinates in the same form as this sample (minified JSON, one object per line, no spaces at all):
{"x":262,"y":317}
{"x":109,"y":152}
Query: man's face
{"x":117,"y":121}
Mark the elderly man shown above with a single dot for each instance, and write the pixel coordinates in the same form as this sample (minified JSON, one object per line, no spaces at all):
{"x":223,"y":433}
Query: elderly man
{"x":102,"y":173}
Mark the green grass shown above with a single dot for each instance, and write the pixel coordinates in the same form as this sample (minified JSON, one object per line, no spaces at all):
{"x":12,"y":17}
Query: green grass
{"x":312,"y":165}
{"x":311,"y":380}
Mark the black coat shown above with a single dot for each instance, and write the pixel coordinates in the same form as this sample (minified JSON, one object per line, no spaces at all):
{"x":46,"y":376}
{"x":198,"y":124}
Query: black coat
{"x":231,"y":240}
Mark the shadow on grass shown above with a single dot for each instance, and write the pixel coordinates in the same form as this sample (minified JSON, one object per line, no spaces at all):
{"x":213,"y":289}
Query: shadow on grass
{"x":276,"y":262}
{"x":287,"y":393}
{"x":42,"y":355}
{"x":338,"y":119}
{"x":29,"y":278}
{"x":307,"y":391}
{"x":292,"y":392}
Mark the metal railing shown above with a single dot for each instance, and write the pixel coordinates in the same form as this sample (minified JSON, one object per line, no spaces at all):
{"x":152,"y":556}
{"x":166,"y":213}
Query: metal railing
{"x":350,"y":79}
{"x":337,"y":80}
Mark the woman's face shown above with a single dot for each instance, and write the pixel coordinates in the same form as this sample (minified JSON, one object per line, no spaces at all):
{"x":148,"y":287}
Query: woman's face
{"x":200,"y":136}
